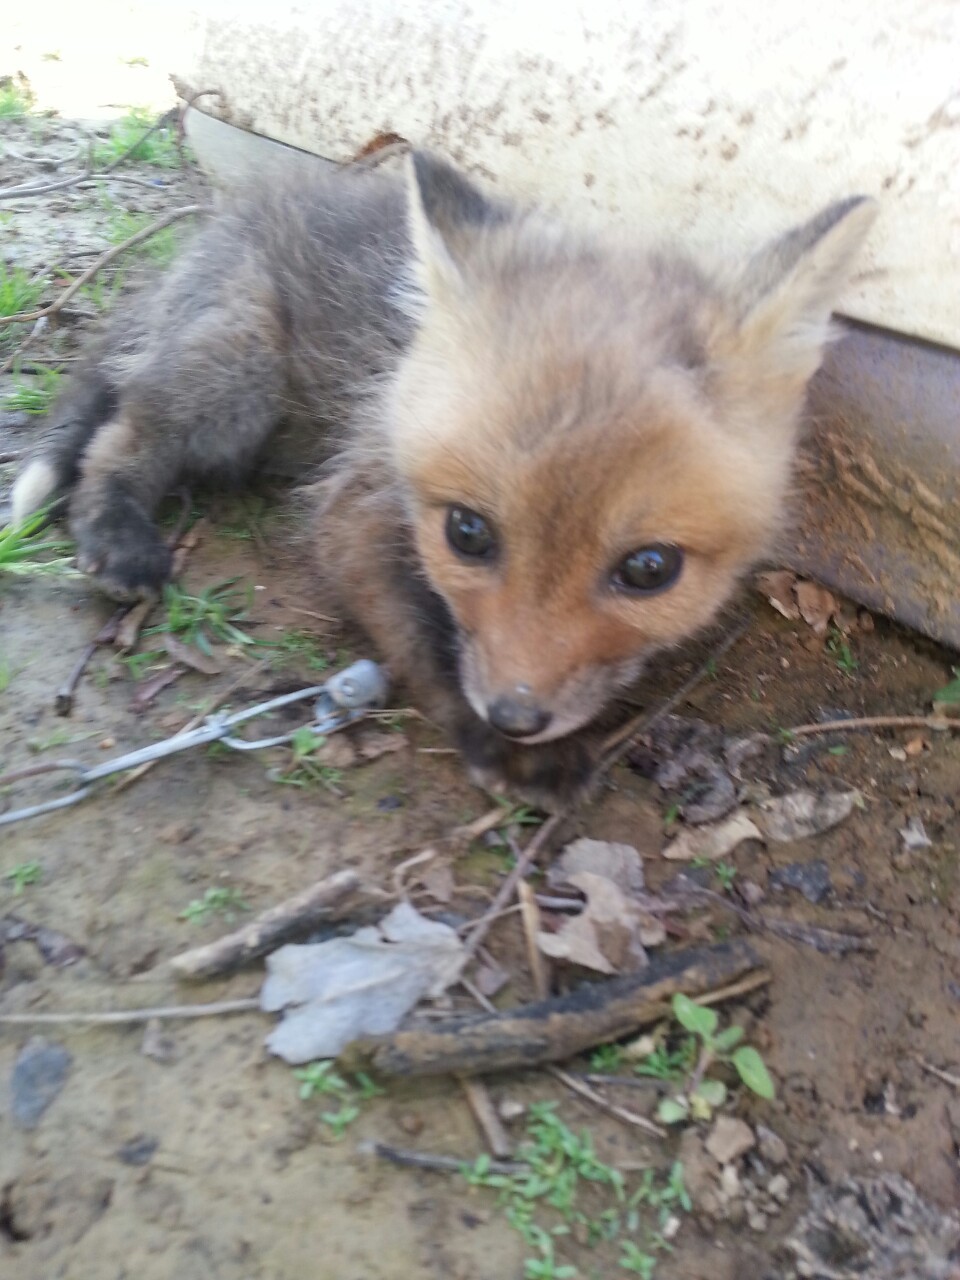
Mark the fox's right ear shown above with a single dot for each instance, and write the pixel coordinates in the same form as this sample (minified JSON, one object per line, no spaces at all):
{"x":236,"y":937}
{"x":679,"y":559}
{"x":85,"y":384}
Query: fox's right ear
{"x":447,"y":215}
{"x":784,"y":296}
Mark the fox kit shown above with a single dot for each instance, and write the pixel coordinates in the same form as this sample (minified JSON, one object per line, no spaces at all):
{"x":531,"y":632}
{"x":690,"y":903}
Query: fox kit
{"x":542,"y":454}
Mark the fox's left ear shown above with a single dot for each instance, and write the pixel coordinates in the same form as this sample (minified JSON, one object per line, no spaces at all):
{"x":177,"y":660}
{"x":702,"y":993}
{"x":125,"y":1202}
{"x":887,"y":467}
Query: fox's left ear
{"x":786,"y":293}
{"x":447,"y":215}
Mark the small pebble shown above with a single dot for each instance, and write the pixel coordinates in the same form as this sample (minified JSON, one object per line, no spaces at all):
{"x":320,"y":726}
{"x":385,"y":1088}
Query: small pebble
{"x":756,"y":1220}
{"x":779,"y":1188}
{"x":729,"y":1139}
{"x":510,"y":1109}
{"x":771,"y":1146}
{"x":39,"y":1073}
{"x":730,"y":1181}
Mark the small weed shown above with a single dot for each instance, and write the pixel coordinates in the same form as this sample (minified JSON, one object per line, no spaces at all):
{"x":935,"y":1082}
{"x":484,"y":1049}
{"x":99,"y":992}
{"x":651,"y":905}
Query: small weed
{"x":704,"y":1096}
{"x":33,"y":395}
{"x":25,"y":552}
{"x":222,"y":901}
{"x":637,"y":1261}
{"x":671,"y":817}
{"x":839,"y":649}
{"x":949,"y":695}
{"x":607,"y":1058}
{"x":6,"y":674}
{"x":18,"y":290}
{"x":15,"y":102}
{"x":669,"y":1064}
{"x":839,"y":750}
{"x":211,"y":615}
{"x":159,"y":149}
{"x":103,"y":291}
{"x":322,"y":1078}
{"x":726,"y":875}
{"x":22,"y":875}
{"x":303,"y":770}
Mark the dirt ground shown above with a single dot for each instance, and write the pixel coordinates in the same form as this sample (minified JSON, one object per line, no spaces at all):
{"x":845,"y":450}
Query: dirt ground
{"x":188,"y":1152}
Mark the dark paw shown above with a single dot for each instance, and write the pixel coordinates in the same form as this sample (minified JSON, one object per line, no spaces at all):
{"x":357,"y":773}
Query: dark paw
{"x":121,"y":548}
{"x":549,"y":776}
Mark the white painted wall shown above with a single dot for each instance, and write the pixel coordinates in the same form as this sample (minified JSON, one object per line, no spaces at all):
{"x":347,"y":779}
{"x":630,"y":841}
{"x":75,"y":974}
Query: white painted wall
{"x":718,"y":121}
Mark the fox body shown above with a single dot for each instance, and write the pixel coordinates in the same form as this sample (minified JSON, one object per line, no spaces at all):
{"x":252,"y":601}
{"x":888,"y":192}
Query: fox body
{"x":542,"y":454}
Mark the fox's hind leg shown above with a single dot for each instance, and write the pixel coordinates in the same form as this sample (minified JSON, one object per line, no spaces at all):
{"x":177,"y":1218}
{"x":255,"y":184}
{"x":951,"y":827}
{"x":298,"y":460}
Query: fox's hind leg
{"x":195,"y":399}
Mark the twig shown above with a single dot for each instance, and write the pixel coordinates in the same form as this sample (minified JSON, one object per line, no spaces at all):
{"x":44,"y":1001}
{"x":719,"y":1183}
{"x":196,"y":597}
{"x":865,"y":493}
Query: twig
{"x":598,"y":1100}
{"x":104,"y":260}
{"x":530,"y":915}
{"x":623,"y":1082}
{"x":940,"y":724}
{"x":34,"y":333}
{"x":484,"y":1112}
{"x":440,"y":1164}
{"x":63,"y":698}
{"x":946,"y":1076}
{"x":288,"y":918}
{"x":121,"y":1016}
{"x":508,"y":888}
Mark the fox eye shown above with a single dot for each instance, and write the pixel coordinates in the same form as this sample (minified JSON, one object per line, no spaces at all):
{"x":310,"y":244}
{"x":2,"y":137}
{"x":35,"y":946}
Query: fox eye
{"x":469,"y":534}
{"x":649,"y":569}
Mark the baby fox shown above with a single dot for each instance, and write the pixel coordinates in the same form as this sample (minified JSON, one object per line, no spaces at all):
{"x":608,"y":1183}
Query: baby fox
{"x":540,"y":454}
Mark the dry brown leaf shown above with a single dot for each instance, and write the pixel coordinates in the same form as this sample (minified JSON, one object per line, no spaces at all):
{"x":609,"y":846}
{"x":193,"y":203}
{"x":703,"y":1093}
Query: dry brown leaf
{"x":372,"y":745}
{"x":817,"y":605}
{"x":804,"y":813}
{"x":713,"y":841}
{"x":190,"y":656}
{"x":617,"y":862}
{"x":606,"y":934}
{"x":779,"y":588}
{"x":489,"y":979}
{"x":439,"y":882}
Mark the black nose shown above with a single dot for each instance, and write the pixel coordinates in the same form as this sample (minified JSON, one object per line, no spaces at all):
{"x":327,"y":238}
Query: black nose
{"x":517,"y":715}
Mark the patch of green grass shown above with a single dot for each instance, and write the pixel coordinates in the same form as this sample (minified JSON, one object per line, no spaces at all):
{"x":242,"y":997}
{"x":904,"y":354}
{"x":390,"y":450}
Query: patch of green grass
{"x":159,"y":248}
{"x":15,"y":101}
{"x":22,"y":875}
{"x":24,"y":551}
{"x":104,"y":289}
{"x":209,"y":615}
{"x":138,"y":664}
{"x":222,"y":901}
{"x":6,"y":674}
{"x":58,"y":738}
{"x":839,"y":649}
{"x":33,"y":395}
{"x":159,"y":149}
{"x":546,"y":1201}
{"x":322,"y":1079}
{"x":18,"y":290}
{"x":298,"y":648}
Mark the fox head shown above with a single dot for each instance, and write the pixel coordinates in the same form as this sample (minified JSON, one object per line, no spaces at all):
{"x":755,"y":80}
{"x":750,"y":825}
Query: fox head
{"x":595,"y":438}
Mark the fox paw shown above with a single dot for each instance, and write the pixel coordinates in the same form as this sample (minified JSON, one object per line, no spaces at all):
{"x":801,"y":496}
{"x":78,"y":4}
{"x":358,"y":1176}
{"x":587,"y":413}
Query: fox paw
{"x":548,"y":776}
{"x":123,"y":552}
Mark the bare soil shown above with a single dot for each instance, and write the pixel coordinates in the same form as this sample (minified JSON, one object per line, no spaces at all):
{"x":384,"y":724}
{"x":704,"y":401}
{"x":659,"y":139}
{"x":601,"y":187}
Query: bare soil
{"x":198,"y":1159}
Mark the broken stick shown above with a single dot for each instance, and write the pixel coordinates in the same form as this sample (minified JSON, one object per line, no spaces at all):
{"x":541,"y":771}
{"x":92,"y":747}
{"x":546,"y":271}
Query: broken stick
{"x":557,"y":1029}
{"x":295,"y":915}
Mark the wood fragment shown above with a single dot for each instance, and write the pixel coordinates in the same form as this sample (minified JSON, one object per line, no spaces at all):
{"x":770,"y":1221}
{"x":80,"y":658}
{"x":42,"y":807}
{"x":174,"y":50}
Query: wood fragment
{"x":539,"y":965}
{"x":440,"y":1164}
{"x":128,"y":632}
{"x":296,"y":915}
{"x":64,"y":697}
{"x":556,"y":1029}
{"x":485,"y":1114}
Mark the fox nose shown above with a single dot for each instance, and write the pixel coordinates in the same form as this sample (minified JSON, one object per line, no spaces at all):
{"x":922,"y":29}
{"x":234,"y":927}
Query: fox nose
{"x":517,"y":714}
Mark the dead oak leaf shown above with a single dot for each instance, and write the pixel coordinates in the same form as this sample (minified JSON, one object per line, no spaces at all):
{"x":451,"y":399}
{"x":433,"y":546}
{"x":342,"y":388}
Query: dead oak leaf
{"x":617,"y":862}
{"x":610,"y":935}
